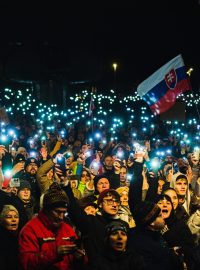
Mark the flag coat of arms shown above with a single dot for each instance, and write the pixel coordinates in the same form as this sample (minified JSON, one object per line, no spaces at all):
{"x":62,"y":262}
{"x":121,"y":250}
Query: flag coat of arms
{"x":161,"y":89}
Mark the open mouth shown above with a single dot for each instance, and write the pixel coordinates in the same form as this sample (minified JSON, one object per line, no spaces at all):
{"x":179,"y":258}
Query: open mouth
{"x":119,"y":245}
{"x":165,"y":213}
{"x":13,"y":226}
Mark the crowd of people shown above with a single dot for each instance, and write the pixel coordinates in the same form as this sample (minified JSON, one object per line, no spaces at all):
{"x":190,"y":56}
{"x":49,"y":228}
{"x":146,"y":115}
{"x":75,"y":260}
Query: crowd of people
{"x":68,"y":202}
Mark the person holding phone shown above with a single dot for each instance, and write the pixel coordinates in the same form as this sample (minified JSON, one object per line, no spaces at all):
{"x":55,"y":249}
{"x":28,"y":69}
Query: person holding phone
{"x":47,"y":241}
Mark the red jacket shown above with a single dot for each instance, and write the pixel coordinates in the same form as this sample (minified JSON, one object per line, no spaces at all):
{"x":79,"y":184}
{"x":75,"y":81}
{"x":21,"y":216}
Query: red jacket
{"x":38,"y":242}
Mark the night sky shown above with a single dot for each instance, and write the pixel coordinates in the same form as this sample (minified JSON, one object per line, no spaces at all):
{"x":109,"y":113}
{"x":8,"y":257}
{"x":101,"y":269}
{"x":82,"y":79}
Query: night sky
{"x":53,"y":42}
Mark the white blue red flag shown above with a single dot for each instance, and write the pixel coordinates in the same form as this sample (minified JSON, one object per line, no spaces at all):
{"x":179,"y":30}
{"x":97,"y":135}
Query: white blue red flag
{"x":161,"y":89}
{"x":92,"y":106}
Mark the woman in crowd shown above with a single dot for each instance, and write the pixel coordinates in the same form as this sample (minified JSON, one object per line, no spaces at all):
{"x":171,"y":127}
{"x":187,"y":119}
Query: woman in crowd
{"x":176,"y":233}
{"x":179,"y":210}
{"x":9,"y":221}
{"x":115,"y":255}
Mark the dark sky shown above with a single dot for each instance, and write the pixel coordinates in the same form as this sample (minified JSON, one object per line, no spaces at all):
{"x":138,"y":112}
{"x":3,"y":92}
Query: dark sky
{"x":80,"y":43}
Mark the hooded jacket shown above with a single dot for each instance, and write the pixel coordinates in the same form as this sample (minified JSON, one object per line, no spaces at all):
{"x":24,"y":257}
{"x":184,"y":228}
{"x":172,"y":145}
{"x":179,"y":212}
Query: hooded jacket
{"x":186,"y":204}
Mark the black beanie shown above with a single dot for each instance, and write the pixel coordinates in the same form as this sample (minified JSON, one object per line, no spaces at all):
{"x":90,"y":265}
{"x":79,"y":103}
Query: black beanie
{"x":116,"y":225}
{"x":19,"y":158}
{"x":24,"y":184}
{"x":96,"y":180}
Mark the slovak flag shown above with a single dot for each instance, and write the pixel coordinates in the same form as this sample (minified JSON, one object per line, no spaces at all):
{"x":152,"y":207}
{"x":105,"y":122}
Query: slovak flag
{"x":161,"y":89}
{"x":92,"y":106}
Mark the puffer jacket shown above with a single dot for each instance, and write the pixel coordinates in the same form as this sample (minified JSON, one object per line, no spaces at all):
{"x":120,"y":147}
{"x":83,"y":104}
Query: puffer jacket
{"x":38,"y":242}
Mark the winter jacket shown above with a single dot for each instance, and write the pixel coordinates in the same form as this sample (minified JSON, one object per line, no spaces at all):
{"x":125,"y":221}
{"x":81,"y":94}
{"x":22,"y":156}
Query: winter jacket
{"x":179,"y":235}
{"x":194,"y":225}
{"x":43,"y":182}
{"x":154,"y":249}
{"x":8,"y":250}
{"x":113,"y":260}
{"x":38,"y":242}
{"x":10,"y":198}
{"x":92,"y":228}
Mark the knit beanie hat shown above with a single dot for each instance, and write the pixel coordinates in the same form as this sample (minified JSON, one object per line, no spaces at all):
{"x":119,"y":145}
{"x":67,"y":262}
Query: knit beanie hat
{"x":19,"y":158}
{"x":24,"y":184}
{"x":55,"y":197}
{"x":145,"y":213}
{"x":107,"y":192}
{"x":116,"y":225}
{"x":7,"y":208}
{"x":120,"y":190}
{"x":96,"y":180}
{"x":31,"y":160}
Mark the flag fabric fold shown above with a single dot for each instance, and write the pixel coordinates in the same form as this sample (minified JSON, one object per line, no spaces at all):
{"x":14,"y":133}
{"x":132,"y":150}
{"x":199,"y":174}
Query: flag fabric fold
{"x":161,"y":89}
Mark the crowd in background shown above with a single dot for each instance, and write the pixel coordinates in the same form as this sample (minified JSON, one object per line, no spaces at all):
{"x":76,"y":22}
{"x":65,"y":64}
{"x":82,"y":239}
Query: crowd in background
{"x":83,"y":197}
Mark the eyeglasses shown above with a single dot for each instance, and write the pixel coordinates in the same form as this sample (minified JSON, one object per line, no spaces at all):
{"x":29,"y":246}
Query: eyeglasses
{"x":111,"y":201}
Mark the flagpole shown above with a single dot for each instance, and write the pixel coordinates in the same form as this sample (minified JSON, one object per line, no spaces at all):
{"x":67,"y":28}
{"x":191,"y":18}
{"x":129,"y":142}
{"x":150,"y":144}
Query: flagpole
{"x":91,"y":109}
{"x":92,"y":125}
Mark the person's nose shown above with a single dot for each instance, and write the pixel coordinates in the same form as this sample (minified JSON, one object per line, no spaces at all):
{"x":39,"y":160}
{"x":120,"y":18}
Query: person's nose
{"x":61,"y":216}
{"x":115,"y":203}
{"x":13,"y":219}
{"x":119,"y":236}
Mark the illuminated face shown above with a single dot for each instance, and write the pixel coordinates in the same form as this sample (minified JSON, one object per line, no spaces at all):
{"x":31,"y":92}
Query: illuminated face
{"x":102,"y":184}
{"x":50,"y":174}
{"x":123,"y":174}
{"x":73,"y":183}
{"x":11,"y":221}
{"x":85,"y":177}
{"x":118,"y":240}
{"x":24,"y":194}
{"x":99,"y":154}
{"x":166,"y":208}
{"x":69,"y":160}
{"x":117,"y":165}
{"x":160,"y":186}
{"x":173,"y":196}
{"x":124,"y":198}
{"x":181,"y":186}
{"x":108,"y":161}
{"x":22,"y":152}
{"x":90,"y":210}
{"x":195,"y":159}
{"x":57,"y":215}
{"x":166,"y":167}
{"x":32,"y":168}
{"x":84,"y":148}
{"x":110,"y":205}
